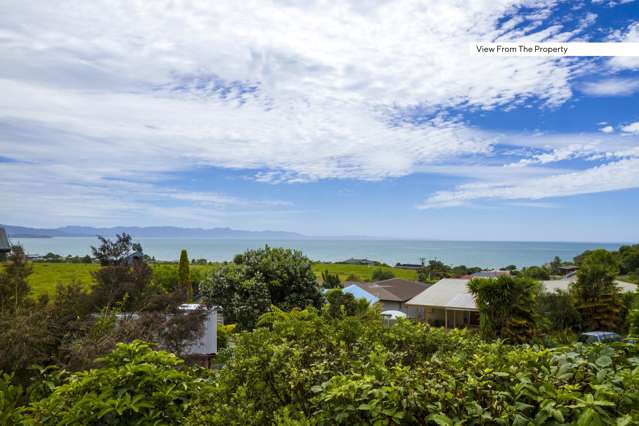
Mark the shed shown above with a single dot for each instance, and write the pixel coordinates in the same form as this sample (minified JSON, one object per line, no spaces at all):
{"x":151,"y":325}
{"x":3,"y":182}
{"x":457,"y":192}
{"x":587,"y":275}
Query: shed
{"x":5,"y":246}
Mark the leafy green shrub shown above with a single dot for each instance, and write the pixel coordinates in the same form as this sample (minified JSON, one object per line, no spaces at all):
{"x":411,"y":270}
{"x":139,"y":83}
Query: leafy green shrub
{"x":10,"y":399}
{"x":303,"y":367}
{"x":136,"y":385}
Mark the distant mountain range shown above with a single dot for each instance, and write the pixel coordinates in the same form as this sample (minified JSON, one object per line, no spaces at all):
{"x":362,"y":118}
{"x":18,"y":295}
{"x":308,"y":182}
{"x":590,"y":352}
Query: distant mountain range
{"x":157,"y":232}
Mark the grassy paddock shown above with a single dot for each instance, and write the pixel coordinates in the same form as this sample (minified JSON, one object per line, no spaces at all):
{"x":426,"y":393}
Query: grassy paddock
{"x":46,"y":276}
{"x":364,"y":272}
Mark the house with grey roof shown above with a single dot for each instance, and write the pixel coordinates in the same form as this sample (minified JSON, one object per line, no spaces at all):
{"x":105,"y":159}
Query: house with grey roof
{"x":5,"y":246}
{"x":449,"y":302}
{"x":394,"y":293}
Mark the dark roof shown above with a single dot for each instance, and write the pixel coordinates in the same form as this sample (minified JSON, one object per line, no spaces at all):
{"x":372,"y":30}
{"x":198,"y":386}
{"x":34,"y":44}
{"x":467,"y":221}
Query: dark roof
{"x":394,"y":289}
{"x":4,"y":241}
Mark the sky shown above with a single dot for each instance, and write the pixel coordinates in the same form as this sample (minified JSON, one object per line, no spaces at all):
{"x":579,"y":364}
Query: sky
{"x":364,"y":117}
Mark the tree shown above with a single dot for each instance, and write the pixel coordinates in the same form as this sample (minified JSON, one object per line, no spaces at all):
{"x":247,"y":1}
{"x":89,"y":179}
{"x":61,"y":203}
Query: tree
{"x":629,"y":259}
{"x":434,"y":271}
{"x":380,"y":274}
{"x":14,"y":289}
{"x":507,"y":307}
{"x":559,"y":309}
{"x":287,"y":274}
{"x":633,"y":318}
{"x":184,"y":276}
{"x":342,"y":304}
{"x":596,"y":294}
{"x":115,"y":252}
{"x":536,"y":272}
{"x":243,"y":297}
{"x":555,"y":265}
{"x":330,"y":280}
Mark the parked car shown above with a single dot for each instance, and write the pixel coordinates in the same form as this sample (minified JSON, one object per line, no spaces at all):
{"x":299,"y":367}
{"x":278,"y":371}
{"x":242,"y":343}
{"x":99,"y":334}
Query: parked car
{"x":599,"y":337}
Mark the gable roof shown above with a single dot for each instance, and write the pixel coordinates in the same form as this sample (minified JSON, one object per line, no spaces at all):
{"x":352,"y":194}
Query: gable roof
{"x":452,"y":293}
{"x":4,"y":241}
{"x":394,"y":289}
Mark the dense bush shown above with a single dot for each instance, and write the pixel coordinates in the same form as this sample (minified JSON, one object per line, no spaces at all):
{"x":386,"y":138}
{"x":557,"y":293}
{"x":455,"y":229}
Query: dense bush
{"x":136,"y":386}
{"x":305,"y":368}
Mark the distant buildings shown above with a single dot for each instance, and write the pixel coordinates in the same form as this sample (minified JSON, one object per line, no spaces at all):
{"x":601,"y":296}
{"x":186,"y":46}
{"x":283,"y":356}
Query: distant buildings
{"x":353,"y":261}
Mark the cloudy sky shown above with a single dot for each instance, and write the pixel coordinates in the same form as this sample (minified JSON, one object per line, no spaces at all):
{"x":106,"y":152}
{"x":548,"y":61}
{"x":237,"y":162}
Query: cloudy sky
{"x":322,"y":117}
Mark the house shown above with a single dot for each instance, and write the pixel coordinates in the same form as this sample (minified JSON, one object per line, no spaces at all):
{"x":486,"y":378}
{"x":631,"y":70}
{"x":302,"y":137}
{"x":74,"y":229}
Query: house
{"x":5,"y":247}
{"x":449,"y":302}
{"x":133,"y":256}
{"x":394,"y":293}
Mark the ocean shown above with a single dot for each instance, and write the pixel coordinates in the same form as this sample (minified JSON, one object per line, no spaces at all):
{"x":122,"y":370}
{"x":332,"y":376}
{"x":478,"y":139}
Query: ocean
{"x":487,"y":254}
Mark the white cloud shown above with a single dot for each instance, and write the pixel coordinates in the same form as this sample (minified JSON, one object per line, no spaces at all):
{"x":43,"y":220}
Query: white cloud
{"x":623,"y":174}
{"x":631,"y":35}
{"x":607,"y":129}
{"x":611,"y":87}
{"x":291,"y":91}
{"x":631,"y":128}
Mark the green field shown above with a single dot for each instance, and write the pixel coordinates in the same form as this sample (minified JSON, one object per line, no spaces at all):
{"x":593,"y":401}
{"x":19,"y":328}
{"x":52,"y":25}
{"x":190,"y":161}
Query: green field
{"x":46,"y":276}
{"x":364,"y":272}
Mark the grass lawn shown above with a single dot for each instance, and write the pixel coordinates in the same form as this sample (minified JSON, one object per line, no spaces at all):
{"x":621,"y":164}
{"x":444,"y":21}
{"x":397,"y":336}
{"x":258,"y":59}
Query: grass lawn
{"x":46,"y":276}
{"x":364,"y":272}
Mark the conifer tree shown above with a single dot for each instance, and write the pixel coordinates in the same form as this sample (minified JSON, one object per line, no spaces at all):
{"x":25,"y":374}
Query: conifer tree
{"x":184,"y":276}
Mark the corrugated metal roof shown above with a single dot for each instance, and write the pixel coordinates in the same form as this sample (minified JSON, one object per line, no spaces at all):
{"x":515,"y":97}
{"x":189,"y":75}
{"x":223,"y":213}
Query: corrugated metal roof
{"x":454,"y":294}
{"x":4,"y":241}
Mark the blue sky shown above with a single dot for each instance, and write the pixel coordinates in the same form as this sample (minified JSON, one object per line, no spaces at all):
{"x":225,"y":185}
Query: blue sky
{"x":325,"y":118}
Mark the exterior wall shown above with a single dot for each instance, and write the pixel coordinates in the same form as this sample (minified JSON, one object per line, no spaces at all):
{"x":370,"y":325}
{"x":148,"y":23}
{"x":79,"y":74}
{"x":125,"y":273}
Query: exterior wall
{"x":390,"y":306}
{"x":456,"y":319}
{"x":207,"y":344}
{"x":411,"y":311}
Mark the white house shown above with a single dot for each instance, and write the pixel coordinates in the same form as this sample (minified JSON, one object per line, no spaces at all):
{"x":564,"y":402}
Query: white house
{"x":449,"y":302}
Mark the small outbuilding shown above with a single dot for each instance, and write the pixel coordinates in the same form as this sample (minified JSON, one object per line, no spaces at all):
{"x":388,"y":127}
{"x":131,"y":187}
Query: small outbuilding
{"x":5,"y":246}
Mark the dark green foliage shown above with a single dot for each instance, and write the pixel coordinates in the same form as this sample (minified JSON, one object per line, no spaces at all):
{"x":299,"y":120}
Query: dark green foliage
{"x":554,"y":266}
{"x":596,"y":295}
{"x":380,"y":274}
{"x":13,"y":280}
{"x":507,"y":306}
{"x":115,"y":252}
{"x":287,"y":273}
{"x":184,"y":276}
{"x":304,"y":368}
{"x":330,"y":280}
{"x":434,"y":271}
{"x":629,"y":259}
{"x":344,"y":304}
{"x":558,"y":310}
{"x":135,"y":386}
{"x":243,"y":298}
{"x":11,"y":396}
{"x":536,"y":272}
{"x":127,"y":286}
